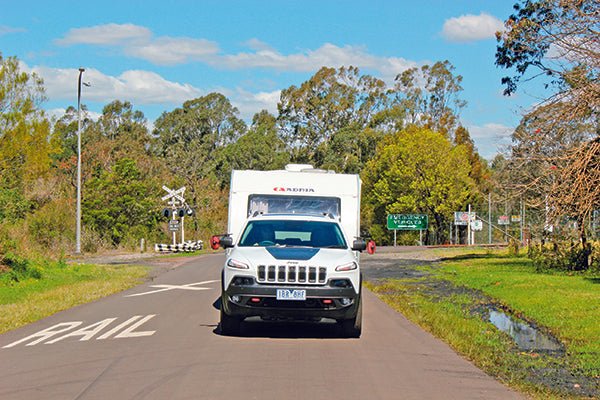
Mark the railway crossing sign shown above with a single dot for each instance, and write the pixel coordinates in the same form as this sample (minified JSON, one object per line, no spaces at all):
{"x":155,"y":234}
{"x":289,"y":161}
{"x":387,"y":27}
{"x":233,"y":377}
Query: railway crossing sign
{"x":174,"y":196}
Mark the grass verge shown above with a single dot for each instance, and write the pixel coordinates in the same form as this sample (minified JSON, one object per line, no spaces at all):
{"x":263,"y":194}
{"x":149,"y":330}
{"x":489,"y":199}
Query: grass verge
{"x":566,"y":306}
{"x":57,"y":286}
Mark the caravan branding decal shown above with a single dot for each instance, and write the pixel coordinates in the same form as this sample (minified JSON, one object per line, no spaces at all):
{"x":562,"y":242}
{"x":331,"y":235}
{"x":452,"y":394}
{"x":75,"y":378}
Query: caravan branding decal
{"x":295,"y":190}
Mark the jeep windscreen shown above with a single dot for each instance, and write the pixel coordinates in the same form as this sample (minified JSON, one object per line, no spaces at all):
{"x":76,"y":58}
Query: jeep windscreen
{"x":293,"y":233}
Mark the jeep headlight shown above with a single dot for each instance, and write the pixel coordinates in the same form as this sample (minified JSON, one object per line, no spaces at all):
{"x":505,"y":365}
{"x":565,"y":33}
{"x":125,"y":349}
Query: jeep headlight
{"x":237,"y":264}
{"x":347,"y":267}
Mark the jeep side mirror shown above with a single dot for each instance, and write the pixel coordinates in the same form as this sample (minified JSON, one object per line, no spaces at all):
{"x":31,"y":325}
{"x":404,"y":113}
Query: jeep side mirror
{"x":226,"y":242}
{"x":359,"y":245}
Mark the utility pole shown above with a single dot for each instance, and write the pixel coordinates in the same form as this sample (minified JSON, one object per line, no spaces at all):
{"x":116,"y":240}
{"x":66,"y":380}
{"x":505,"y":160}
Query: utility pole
{"x":522,"y":221}
{"x":469,"y":226}
{"x":490,"y":218}
{"x":78,"y":217}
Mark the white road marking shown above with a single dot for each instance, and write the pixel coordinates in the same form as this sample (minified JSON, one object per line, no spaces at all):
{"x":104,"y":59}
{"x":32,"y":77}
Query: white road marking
{"x":127,"y":330}
{"x":46,"y":333}
{"x":85,"y":332}
{"x":128,"y":333}
{"x":118,"y":327}
{"x":165,"y":288}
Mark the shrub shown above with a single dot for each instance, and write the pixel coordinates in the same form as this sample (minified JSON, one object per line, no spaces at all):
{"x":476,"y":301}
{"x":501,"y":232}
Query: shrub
{"x":562,"y":256}
{"x":52,"y":226}
{"x":19,"y":268}
{"x":513,"y":247}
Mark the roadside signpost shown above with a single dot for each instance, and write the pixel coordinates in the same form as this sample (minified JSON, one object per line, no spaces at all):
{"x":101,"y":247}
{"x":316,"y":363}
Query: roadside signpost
{"x":408,"y":222}
{"x":177,"y":212}
{"x":462,"y":218}
{"x":477,"y":225}
{"x":174,"y":225}
{"x":175,"y":199}
{"x":466,"y":218}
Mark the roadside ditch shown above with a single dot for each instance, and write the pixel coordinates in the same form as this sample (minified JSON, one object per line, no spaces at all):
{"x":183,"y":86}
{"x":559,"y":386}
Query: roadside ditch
{"x":414,"y":270}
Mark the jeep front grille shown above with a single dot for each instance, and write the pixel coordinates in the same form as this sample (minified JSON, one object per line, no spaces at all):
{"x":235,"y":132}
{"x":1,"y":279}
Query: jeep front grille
{"x":292,"y":274}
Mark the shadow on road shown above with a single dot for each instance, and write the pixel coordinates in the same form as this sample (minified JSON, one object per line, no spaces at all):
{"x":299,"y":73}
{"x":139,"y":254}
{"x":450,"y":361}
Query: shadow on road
{"x":255,"y":328}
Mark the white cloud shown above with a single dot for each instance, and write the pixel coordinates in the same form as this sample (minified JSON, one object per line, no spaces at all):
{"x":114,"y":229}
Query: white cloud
{"x":249,"y":103}
{"x":108,"y":34}
{"x":171,"y":51}
{"x":328,"y":55}
{"x":4,"y":30}
{"x":257,"y":44}
{"x":137,"y":41}
{"x":490,"y":138}
{"x":139,"y":87}
{"x":58,"y":113}
{"x":470,"y":28}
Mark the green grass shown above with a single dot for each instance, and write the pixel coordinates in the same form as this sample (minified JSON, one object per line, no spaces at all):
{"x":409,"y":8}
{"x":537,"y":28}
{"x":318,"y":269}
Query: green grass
{"x":567,"y":305}
{"x":60,"y":287}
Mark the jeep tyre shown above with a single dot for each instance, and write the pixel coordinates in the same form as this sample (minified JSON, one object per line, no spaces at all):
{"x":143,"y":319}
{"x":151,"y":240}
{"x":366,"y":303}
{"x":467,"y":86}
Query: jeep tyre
{"x":351,"y":328}
{"x":230,"y":326}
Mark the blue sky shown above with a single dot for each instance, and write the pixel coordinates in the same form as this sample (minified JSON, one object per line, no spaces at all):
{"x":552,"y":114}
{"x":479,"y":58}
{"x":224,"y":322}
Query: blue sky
{"x":158,"y":54}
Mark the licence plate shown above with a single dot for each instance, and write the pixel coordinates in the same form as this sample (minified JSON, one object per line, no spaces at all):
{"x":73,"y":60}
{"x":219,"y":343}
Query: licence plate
{"x":291,"y":294}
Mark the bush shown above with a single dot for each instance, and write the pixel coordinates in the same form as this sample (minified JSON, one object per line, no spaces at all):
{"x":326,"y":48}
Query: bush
{"x":52,"y":226}
{"x":513,"y":247}
{"x":18,"y":268}
{"x":563,"y":256}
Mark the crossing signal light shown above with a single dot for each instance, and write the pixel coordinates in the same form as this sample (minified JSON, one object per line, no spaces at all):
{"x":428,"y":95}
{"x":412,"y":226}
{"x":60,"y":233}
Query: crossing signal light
{"x":166,"y":212}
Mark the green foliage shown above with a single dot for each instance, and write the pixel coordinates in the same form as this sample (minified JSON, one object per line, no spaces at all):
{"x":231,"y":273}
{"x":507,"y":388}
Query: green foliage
{"x":416,"y":171}
{"x":16,"y":268}
{"x":349,"y":149}
{"x":13,"y":204}
{"x":52,"y":226}
{"x":538,"y":26}
{"x":563,"y":256}
{"x":260,"y":148}
{"x":513,"y":247}
{"x":189,"y":139}
{"x":429,"y":96}
{"x":61,"y":287}
{"x":119,"y":200}
{"x":330,"y":101}
{"x":335,"y":120}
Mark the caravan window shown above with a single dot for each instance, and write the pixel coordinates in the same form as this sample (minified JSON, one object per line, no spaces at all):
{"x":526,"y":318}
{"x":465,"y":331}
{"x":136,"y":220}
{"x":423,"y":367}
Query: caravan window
{"x":270,"y":204}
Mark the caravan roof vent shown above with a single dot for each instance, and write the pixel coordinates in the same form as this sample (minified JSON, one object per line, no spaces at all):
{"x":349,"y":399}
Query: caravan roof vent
{"x":298,"y":167}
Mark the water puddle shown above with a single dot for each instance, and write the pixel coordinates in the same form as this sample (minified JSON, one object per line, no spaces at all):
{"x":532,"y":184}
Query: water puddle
{"x":525,"y":336}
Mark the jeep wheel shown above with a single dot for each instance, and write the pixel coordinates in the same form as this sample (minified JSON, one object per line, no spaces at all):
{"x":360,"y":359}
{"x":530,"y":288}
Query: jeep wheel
{"x":230,"y":326}
{"x":351,"y":328}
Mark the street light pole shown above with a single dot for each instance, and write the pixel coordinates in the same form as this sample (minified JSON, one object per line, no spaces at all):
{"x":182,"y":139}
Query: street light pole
{"x":78,"y":226}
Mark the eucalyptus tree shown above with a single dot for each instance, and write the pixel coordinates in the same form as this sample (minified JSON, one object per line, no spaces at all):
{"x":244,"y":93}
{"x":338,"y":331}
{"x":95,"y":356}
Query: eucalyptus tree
{"x":311,"y":115}
{"x":429,"y":96}
{"x":191,"y":139}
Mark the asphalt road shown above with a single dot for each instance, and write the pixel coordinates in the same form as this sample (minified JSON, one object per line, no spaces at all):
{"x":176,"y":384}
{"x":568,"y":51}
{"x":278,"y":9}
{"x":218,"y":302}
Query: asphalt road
{"x":160,"y":341}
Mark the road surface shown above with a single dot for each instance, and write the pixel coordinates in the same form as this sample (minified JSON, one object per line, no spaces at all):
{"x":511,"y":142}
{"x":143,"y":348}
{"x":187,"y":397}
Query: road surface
{"x":160,"y":340}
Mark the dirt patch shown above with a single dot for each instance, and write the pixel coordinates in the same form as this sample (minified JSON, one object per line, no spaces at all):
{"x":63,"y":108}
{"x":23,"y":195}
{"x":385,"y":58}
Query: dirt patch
{"x":412,"y":268}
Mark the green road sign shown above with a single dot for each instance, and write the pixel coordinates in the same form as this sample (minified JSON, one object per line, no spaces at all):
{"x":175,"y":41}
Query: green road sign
{"x":407,"y":222}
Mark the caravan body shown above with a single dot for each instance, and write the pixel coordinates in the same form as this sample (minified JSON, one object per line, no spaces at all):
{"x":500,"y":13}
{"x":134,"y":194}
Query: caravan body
{"x":299,"y":189}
